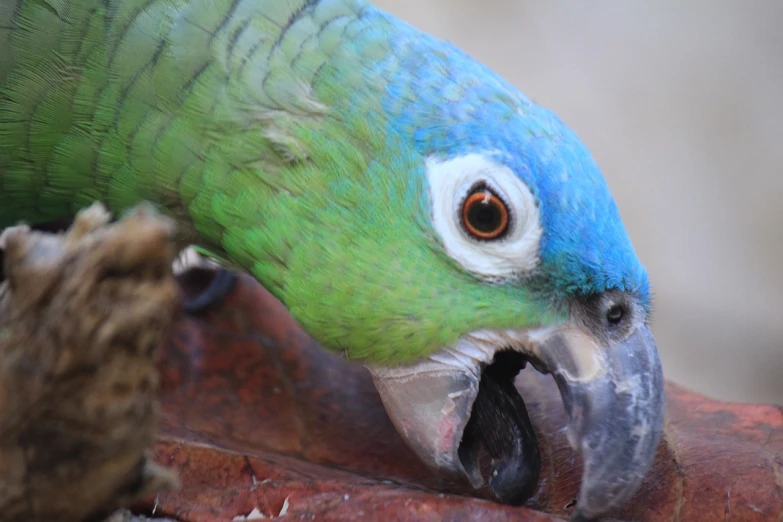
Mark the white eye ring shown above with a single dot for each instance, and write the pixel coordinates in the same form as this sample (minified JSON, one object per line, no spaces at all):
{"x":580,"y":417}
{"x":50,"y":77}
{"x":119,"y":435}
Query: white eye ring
{"x":514,"y":254}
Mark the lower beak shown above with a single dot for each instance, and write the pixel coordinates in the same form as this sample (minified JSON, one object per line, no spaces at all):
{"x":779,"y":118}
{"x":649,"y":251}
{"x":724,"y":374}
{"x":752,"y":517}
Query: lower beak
{"x":612,"y":393}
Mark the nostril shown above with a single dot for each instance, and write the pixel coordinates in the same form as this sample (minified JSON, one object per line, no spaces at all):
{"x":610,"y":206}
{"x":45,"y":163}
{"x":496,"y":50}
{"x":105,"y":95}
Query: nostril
{"x":615,"y":314}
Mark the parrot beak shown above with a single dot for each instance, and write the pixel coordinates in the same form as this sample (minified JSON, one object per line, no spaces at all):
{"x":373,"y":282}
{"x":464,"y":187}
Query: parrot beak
{"x":463,"y":397}
{"x":613,"y":394}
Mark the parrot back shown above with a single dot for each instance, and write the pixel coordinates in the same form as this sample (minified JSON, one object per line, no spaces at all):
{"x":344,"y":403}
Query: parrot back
{"x":189,"y":104}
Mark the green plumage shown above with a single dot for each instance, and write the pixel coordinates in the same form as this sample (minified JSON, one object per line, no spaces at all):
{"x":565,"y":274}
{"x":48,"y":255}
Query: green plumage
{"x":256,"y":126}
{"x":160,"y":100}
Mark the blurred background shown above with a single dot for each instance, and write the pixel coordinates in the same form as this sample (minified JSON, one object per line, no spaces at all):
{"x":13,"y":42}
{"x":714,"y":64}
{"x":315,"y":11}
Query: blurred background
{"x":681,"y":104}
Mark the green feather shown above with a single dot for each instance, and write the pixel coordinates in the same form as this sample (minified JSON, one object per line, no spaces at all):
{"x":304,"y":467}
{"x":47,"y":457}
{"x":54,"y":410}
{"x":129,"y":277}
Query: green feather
{"x":242,"y":128}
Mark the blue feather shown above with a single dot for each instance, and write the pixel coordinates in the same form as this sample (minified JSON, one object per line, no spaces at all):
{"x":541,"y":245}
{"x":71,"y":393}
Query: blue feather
{"x":451,"y":105}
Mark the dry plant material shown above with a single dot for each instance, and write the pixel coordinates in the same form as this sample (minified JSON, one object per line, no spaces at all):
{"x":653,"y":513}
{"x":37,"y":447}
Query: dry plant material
{"x":82,"y":316}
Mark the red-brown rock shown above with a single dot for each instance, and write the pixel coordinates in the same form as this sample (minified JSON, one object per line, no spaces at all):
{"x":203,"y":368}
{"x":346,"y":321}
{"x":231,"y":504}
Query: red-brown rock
{"x":257,"y":416}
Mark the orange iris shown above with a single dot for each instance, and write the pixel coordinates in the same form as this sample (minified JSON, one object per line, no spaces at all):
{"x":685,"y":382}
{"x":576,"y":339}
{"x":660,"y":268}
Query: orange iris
{"x":484,"y":215}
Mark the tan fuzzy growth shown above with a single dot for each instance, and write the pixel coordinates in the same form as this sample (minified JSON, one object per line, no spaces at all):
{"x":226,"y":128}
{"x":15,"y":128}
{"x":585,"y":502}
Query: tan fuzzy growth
{"x":81,"y":317}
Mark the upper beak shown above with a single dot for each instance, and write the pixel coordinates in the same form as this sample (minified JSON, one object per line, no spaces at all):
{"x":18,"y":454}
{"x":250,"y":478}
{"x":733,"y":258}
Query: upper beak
{"x":612,"y":392}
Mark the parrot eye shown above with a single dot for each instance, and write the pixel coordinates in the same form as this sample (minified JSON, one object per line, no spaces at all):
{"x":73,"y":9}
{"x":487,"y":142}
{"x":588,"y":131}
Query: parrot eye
{"x":484,"y":214}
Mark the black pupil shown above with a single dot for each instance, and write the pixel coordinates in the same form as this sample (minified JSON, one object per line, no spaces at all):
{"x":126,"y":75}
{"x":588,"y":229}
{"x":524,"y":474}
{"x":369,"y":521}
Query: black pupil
{"x":485,"y":216}
{"x":615,"y":314}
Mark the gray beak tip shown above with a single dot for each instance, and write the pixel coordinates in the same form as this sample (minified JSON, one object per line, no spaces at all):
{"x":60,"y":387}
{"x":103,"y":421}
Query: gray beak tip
{"x":616,"y":421}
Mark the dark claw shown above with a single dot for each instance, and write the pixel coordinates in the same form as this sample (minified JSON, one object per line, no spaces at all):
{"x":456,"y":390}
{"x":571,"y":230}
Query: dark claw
{"x":206,"y":287}
{"x":501,"y":423}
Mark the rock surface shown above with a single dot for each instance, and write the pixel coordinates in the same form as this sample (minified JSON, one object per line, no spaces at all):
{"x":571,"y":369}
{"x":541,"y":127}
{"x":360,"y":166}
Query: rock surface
{"x":258,"y":420}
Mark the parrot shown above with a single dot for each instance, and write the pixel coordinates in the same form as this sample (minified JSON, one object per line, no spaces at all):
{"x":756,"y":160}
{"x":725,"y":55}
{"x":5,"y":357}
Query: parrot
{"x":413,"y":210}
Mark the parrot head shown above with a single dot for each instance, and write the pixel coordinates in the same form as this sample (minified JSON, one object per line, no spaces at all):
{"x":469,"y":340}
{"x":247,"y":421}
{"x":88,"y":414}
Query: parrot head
{"x":533,"y":224}
{"x":453,"y":232}
{"x":530,"y":224}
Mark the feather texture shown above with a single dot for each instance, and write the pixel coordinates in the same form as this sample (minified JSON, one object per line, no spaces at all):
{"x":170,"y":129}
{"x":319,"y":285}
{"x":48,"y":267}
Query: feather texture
{"x":291,"y":138}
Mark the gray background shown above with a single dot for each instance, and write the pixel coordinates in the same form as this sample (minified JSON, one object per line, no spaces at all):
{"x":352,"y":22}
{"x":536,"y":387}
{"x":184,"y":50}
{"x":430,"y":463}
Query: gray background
{"x":681,"y":103}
